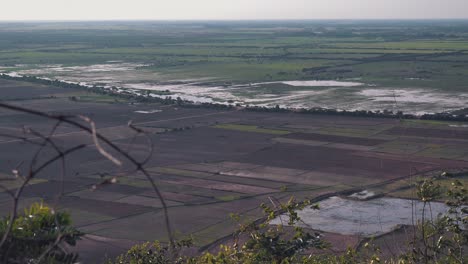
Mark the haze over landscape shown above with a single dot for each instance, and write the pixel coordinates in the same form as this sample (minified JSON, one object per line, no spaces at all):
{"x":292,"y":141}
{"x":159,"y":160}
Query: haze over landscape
{"x":255,"y":131}
{"x":232,"y":10}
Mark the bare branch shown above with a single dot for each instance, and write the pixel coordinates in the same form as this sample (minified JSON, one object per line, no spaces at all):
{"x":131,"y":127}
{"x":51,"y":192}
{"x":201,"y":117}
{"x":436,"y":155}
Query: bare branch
{"x":96,"y":137}
{"x":150,"y":142}
{"x":96,"y":141}
{"x":20,"y":190}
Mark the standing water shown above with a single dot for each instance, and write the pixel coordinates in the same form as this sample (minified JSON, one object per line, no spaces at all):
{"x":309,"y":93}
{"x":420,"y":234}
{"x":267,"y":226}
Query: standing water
{"x":367,"y":218}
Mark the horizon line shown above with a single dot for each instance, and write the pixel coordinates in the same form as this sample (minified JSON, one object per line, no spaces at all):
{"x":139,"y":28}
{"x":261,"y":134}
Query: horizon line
{"x":231,"y":20}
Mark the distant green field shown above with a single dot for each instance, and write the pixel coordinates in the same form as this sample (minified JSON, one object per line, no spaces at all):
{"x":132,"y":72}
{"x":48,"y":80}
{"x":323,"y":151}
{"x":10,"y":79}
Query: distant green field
{"x":423,"y":63}
{"x":388,"y":53}
{"x":411,"y":122}
{"x":249,"y":128}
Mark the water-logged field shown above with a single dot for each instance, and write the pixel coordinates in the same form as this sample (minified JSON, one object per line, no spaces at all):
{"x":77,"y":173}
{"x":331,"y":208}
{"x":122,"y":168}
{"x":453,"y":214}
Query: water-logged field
{"x":366,"y":218}
{"x":338,"y":94}
{"x":414,"y":67}
{"x":210,"y":163}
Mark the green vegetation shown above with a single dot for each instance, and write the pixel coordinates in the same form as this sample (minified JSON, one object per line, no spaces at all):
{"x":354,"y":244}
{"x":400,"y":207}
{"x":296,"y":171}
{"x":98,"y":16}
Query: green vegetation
{"x":95,"y":98}
{"x":228,"y":198}
{"x":37,"y":234}
{"x":397,"y":54}
{"x":403,"y":189}
{"x":441,"y":239}
{"x":9,"y":183}
{"x":415,"y":54}
{"x":250,"y":128}
{"x":410,"y":122}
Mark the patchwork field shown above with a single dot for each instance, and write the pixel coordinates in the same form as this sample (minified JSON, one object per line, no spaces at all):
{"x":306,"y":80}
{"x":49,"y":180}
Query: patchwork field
{"x":411,"y":66}
{"x":222,"y":162}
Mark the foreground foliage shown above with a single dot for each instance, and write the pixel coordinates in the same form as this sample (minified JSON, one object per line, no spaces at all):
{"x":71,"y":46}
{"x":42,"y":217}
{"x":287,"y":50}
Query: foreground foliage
{"x":439,"y":239}
{"x":37,"y":235}
{"x":444,"y":238}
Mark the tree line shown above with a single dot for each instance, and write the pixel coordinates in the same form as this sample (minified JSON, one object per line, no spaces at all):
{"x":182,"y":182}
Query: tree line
{"x":146,"y":97}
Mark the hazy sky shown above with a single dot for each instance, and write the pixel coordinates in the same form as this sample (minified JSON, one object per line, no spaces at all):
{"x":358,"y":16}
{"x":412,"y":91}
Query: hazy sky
{"x":230,"y":9}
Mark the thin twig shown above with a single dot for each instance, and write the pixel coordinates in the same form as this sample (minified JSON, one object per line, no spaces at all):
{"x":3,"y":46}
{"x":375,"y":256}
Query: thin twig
{"x":97,"y":136}
{"x":96,"y":141}
{"x":19,"y":191}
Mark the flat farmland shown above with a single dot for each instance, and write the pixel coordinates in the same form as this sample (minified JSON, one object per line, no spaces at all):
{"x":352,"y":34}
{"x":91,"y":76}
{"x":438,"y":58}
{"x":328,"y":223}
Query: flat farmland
{"x":210,"y":163}
{"x":430,"y":132}
{"x":417,"y":67}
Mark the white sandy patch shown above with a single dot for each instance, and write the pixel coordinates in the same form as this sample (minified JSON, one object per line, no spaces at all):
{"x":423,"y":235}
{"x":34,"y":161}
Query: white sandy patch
{"x":54,"y":69}
{"x":312,"y":83}
{"x":362,"y":195}
{"x":13,"y":74}
{"x":148,"y":112}
{"x":323,"y":83}
{"x":189,"y":91}
{"x":286,"y":100}
{"x":415,"y":96}
{"x":346,"y":94}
